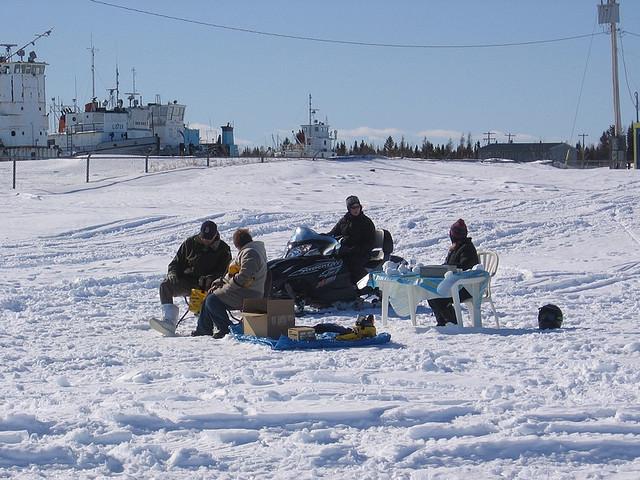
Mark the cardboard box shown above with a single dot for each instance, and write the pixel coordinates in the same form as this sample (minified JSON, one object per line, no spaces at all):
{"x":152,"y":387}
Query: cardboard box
{"x":263,"y":317}
{"x":302,"y":333}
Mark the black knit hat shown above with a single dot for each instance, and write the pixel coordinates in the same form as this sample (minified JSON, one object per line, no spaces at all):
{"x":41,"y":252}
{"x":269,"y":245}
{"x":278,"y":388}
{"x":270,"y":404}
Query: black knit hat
{"x":352,"y":200}
{"x":208,"y":230}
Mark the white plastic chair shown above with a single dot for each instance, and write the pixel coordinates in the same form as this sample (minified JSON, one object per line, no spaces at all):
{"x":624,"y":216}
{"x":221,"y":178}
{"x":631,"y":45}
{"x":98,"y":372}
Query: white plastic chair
{"x":489,"y":261}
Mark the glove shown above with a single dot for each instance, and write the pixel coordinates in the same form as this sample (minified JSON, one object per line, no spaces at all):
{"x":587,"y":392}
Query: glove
{"x":233,"y":269}
{"x":216,"y":284}
{"x":204,"y":282}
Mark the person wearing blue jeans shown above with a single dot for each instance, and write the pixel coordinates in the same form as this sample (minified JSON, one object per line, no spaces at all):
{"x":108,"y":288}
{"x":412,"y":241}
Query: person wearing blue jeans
{"x":214,"y":312}
{"x":245,"y":278}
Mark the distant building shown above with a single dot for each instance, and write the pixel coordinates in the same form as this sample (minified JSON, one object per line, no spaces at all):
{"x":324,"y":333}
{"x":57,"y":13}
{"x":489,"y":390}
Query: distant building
{"x":531,"y":152}
{"x":191,"y":140}
{"x":228,"y":142}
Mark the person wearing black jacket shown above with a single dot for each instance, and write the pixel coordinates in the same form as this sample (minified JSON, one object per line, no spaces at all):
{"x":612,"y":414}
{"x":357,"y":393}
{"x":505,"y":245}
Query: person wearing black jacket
{"x":200,"y":260}
{"x":358,"y":234}
{"x":463,"y":255}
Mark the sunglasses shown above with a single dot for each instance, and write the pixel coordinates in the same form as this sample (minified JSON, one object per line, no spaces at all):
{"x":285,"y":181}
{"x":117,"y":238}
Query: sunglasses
{"x":355,"y":207}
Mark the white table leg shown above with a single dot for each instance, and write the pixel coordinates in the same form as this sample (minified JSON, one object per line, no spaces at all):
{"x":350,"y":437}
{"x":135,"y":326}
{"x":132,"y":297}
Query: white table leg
{"x":477,"y":320}
{"x":455,"y":294}
{"x":385,"y":304}
{"x":411,"y":293}
{"x":476,"y":302}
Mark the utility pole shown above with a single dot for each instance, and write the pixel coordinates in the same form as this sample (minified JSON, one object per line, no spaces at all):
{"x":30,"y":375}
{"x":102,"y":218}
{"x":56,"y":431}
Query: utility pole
{"x":582,"y":146}
{"x":509,"y":135}
{"x":488,"y":139}
{"x":609,"y":14}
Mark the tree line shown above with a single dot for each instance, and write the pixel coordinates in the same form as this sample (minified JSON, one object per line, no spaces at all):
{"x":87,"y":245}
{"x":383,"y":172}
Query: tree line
{"x":464,"y":149}
{"x":602,"y":149}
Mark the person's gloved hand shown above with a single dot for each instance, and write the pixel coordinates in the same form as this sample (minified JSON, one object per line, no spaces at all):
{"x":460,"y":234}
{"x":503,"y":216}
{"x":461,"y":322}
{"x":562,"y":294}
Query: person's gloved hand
{"x":216,"y":284}
{"x":204,"y":282}
{"x":233,"y":269}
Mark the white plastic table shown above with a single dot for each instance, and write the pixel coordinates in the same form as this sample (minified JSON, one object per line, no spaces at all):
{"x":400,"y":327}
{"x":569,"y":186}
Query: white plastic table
{"x":406,"y":291}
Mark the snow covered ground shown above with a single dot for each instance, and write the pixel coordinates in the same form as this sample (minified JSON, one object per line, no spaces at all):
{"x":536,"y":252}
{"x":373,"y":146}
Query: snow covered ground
{"x":88,"y":390}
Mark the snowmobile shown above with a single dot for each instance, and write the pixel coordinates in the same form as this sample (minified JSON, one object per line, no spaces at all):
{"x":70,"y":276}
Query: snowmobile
{"x":311,"y":271}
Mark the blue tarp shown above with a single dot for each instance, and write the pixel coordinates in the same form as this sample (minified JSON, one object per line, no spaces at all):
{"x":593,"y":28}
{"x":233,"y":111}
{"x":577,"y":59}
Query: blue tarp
{"x":326,"y":340}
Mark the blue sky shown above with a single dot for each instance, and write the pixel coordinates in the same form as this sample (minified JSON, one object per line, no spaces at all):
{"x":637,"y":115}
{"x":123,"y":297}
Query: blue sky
{"x":261,"y":83}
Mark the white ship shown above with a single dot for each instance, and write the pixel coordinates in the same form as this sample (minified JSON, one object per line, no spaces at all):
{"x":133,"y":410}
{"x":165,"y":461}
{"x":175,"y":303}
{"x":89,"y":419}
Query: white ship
{"x":109,"y":126}
{"x":314,"y":140}
{"x":23,"y":109}
{"x":152,"y":128}
{"x":106,"y":126}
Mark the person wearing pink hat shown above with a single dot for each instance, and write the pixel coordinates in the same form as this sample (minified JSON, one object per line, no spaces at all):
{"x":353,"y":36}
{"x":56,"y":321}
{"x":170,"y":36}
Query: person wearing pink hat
{"x":463,"y":255}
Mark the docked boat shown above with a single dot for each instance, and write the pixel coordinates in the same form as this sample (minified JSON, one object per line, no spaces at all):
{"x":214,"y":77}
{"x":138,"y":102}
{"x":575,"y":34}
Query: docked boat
{"x":313,"y":140}
{"x":106,"y":126}
{"x":23,"y":108}
{"x":110,"y":126}
{"x":138,"y":129}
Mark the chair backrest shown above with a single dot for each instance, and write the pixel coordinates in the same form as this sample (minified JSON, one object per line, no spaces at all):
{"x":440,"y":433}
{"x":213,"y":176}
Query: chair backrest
{"x":489,"y":261}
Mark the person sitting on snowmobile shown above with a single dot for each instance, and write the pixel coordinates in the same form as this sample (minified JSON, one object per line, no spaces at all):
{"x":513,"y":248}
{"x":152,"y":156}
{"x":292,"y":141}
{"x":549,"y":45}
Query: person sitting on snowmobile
{"x":200,"y":260}
{"x":358,"y":236}
{"x":462,"y":254}
{"x":245,"y":278}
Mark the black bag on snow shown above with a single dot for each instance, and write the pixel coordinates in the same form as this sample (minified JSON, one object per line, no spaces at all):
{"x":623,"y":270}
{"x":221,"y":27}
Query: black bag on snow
{"x":549,"y":316}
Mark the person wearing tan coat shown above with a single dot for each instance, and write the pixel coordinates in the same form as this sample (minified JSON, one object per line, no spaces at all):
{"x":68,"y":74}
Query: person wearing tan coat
{"x":245,"y":278}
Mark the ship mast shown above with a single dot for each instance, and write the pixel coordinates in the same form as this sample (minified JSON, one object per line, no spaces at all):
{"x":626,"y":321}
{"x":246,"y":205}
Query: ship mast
{"x":131,"y":96}
{"x":93,"y":71}
{"x":312,"y":112}
{"x":117,"y":86}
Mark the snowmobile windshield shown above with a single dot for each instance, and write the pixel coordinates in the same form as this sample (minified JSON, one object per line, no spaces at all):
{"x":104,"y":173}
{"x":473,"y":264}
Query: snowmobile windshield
{"x":305,"y":234}
{"x":305,"y":241}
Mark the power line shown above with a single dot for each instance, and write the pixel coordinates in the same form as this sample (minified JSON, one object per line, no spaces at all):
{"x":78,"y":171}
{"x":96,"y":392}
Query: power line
{"x":584,"y":76}
{"x":624,"y":63}
{"x":342,"y":42}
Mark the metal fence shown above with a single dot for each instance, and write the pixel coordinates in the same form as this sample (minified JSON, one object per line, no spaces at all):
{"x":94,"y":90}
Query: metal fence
{"x":100,"y":167}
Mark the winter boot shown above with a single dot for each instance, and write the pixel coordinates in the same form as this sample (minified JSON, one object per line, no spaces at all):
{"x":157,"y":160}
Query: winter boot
{"x":166,"y":326}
